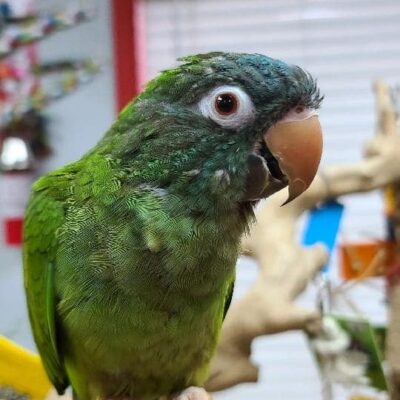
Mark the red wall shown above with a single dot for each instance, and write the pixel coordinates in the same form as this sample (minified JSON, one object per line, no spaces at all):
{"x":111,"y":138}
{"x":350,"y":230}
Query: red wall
{"x":129,"y":49}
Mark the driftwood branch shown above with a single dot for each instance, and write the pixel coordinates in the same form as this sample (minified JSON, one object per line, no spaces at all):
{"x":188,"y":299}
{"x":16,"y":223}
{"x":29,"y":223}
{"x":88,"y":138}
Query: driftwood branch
{"x":389,"y":130}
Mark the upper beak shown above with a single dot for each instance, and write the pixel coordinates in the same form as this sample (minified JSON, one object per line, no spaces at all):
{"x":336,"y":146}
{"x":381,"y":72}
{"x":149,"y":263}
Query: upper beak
{"x":297,"y":146}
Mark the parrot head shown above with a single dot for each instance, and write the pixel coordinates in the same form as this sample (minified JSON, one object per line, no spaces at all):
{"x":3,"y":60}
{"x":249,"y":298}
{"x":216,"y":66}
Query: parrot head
{"x":241,"y":126}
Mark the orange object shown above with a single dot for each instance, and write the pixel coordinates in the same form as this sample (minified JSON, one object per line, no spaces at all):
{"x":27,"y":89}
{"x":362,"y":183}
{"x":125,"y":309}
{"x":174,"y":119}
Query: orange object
{"x":366,"y":259}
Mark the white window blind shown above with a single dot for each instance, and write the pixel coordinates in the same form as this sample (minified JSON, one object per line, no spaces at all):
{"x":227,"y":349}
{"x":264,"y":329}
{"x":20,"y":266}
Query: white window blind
{"x":346,"y":44}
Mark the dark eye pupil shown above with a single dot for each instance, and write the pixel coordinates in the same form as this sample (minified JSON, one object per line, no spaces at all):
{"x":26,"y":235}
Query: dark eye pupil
{"x":226,"y":103}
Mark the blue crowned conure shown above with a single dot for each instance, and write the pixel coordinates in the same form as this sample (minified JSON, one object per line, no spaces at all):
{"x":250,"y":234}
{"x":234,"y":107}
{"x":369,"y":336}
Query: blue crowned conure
{"x":130,"y":252}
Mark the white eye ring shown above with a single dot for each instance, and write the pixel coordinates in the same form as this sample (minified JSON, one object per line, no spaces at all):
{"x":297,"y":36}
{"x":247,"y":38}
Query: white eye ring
{"x":241,"y":114}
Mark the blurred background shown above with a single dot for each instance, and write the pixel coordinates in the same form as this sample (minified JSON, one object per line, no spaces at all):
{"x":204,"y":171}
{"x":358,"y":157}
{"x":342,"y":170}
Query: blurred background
{"x":61,"y":88}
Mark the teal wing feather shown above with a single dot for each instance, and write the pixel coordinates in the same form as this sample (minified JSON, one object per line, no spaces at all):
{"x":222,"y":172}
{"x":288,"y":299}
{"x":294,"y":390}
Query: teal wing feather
{"x":43,"y":217}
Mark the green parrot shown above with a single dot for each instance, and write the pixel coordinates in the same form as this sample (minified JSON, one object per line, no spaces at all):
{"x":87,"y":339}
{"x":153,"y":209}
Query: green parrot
{"x":129,"y":253}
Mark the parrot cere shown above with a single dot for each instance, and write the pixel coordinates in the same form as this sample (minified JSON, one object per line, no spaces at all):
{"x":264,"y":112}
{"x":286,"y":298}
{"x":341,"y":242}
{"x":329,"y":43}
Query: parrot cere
{"x":130,"y":252}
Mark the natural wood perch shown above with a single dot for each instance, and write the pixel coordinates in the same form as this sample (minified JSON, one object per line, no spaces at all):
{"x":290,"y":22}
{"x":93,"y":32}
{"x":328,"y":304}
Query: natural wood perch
{"x":388,"y":129}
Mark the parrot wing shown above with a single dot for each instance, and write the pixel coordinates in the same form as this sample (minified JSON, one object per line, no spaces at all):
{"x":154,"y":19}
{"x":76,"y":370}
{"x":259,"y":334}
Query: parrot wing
{"x":44,"y":216}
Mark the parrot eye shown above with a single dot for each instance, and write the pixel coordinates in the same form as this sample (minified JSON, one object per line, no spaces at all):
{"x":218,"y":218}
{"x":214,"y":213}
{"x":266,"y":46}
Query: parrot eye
{"x":226,"y":103}
{"x":228,"y":106}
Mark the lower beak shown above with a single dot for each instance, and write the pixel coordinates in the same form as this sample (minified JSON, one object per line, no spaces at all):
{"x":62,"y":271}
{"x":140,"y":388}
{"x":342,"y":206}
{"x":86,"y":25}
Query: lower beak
{"x":297,"y":146}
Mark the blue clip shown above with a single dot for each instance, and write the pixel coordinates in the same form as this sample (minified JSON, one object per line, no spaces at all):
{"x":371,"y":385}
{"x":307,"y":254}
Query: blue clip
{"x":323,"y":226}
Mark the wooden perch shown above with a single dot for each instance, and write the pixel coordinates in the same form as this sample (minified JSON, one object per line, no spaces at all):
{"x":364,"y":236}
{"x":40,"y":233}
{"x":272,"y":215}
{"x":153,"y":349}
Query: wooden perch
{"x":388,"y":130}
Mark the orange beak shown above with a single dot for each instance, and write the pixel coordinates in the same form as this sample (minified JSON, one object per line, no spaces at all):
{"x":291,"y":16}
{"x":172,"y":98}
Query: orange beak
{"x":297,"y":146}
